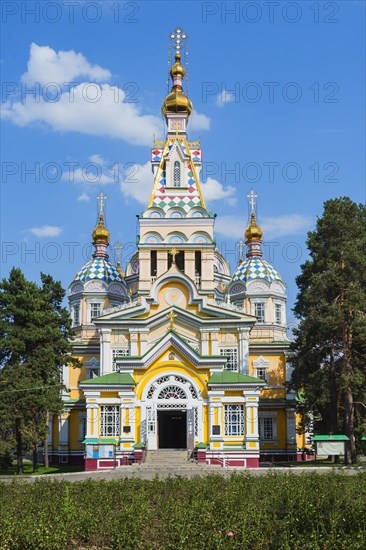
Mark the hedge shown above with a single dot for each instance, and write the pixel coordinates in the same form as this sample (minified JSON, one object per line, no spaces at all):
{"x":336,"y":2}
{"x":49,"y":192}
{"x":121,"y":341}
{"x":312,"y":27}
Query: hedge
{"x":275,"y":511}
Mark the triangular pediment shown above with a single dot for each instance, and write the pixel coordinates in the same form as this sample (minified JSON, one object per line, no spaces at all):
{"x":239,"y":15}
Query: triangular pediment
{"x":171,"y":342}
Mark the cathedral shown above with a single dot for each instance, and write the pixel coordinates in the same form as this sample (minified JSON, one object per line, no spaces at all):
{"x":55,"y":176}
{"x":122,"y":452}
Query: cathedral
{"x":177,"y":352}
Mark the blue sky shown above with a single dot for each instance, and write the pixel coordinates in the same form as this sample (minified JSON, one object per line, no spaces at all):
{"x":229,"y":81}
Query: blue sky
{"x":278,"y":89}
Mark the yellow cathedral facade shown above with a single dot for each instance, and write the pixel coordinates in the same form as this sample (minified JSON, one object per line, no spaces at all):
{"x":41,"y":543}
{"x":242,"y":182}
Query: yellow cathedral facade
{"x":177,"y":353}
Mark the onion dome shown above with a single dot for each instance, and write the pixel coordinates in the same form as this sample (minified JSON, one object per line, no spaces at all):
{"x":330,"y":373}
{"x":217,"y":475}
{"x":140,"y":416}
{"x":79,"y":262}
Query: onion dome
{"x":101,"y":233}
{"x":253,"y":231}
{"x":253,"y":268}
{"x":99,"y":269}
{"x":177,"y":101}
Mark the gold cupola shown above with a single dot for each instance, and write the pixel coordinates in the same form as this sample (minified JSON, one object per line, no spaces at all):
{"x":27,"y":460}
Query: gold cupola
{"x":253,"y":231}
{"x":177,"y":102}
{"x":101,"y":233}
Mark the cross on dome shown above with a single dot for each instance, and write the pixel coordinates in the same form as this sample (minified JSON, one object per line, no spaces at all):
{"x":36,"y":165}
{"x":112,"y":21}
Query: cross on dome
{"x":101,"y":198}
{"x":252,"y":196}
{"x":178,"y":36}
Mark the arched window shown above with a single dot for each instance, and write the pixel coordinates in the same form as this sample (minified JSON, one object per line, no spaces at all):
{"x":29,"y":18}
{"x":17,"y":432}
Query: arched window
{"x":176,"y":174}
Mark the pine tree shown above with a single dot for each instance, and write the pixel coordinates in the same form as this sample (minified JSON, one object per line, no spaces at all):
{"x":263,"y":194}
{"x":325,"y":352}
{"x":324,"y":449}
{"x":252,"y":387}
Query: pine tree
{"x":329,"y":360}
{"x":35,"y":343}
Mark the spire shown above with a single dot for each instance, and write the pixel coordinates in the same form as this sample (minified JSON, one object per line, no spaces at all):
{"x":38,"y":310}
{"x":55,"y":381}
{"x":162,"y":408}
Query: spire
{"x":253,"y":233}
{"x":100,"y":234}
{"x":177,"y":102}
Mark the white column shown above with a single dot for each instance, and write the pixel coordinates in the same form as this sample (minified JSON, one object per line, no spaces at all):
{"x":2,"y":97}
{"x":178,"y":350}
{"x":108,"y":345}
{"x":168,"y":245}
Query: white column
{"x":63,"y":438}
{"x":92,"y":410}
{"x":214,"y":342}
{"x":243,"y":350}
{"x":134,"y":342}
{"x":105,"y":351}
{"x":204,"y":342}
{"x":143,"y":341}
{"x":252,"y":420}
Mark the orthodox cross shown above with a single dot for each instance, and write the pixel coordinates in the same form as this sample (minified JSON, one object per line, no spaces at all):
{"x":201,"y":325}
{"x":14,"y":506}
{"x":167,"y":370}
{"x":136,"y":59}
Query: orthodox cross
{"x":101,"y":198}
{"x":178,"y":36}
{"x":173,"y":252}
{"x":252,"y":196}
{"x":171,"y":318}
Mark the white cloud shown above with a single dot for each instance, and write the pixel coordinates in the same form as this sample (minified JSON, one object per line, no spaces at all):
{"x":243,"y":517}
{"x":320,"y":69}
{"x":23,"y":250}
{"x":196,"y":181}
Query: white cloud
{"x":90,"y":107}
{"x":98,"y":159}
{"x":92,"y":173}
{"x":199,"y":122}
{"x":108,"y":115}
{"x":138,"y":183}
{"x":273,"y":227}
{"x":83,"y":197}
{"x":224,"y":97}
{"x":213,"y":190}
{"x":45,"y":65}
{"x":281,"y":226}
{"x":46,"y":231}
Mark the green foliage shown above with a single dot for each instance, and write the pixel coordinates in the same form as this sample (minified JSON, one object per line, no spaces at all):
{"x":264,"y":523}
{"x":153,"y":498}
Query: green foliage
{"x":330,"y":345}
{"x":35,"y":342}
{"x":272,"y":512}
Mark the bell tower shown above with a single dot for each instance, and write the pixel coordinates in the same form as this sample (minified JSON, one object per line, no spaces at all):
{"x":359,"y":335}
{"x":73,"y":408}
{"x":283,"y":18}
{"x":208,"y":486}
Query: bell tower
{"x":176,"y":216}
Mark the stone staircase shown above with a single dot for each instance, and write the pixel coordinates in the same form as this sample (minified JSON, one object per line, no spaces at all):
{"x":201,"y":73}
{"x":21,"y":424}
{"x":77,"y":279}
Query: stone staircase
{"x":172,"y":462}
{"x":167,"y":457}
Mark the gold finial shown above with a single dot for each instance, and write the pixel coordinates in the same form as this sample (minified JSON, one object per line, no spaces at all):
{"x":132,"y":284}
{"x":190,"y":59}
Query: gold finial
{"x":101,"y":233}
{"x":173,"y":252}
{"x":177,"y":101}
{"x":253,"y":231}
{"x":171,"y":316}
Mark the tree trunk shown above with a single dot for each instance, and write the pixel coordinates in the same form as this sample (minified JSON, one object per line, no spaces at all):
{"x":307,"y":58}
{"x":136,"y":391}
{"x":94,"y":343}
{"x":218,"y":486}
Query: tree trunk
{"x":46,"y":464}
{"x":333,"y":397}
{"x":19,"y":447}
{"x":35,"y":457}
{"x":349,"y":412}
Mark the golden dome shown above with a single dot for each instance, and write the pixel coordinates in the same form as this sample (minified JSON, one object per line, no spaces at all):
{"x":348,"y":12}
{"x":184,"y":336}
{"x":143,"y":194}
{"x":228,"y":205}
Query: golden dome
{"x":177,"y":101}
{"x":101,"y":233}
{"x":177,"y":69}
{"x":253,"y":231}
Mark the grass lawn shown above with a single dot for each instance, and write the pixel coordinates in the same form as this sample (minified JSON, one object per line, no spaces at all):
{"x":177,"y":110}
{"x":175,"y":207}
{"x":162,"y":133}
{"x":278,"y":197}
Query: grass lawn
{"x":28,"y":469}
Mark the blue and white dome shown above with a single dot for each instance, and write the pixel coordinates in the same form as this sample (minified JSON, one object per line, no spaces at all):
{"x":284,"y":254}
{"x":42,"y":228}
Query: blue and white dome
{"x":99,"y":269}
{"x":253,"y":268}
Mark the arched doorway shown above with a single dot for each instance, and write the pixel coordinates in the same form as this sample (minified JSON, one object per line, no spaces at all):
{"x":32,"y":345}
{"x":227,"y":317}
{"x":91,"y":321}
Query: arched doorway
{"x":171,"y":413}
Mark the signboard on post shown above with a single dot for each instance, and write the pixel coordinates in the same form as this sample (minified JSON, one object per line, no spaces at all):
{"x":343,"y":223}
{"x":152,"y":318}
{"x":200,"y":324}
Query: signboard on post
{"x":330,"y":445}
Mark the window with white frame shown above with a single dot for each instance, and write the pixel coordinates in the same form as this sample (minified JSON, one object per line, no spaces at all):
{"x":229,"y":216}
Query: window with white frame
{"x":232,"y":354}
{"x":259,"y":311}
{"x":267,"y":428}
{"x":260,"y":367}
{"x":95,"y":309}
{"x":278,"y":314}
{"x":261,"y":373}
{"x":76,"y":314}
{"x":176,"y":174}
{"x":234,"y":419}
{"x":109,"y":420}
{"x":92,"y":368}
